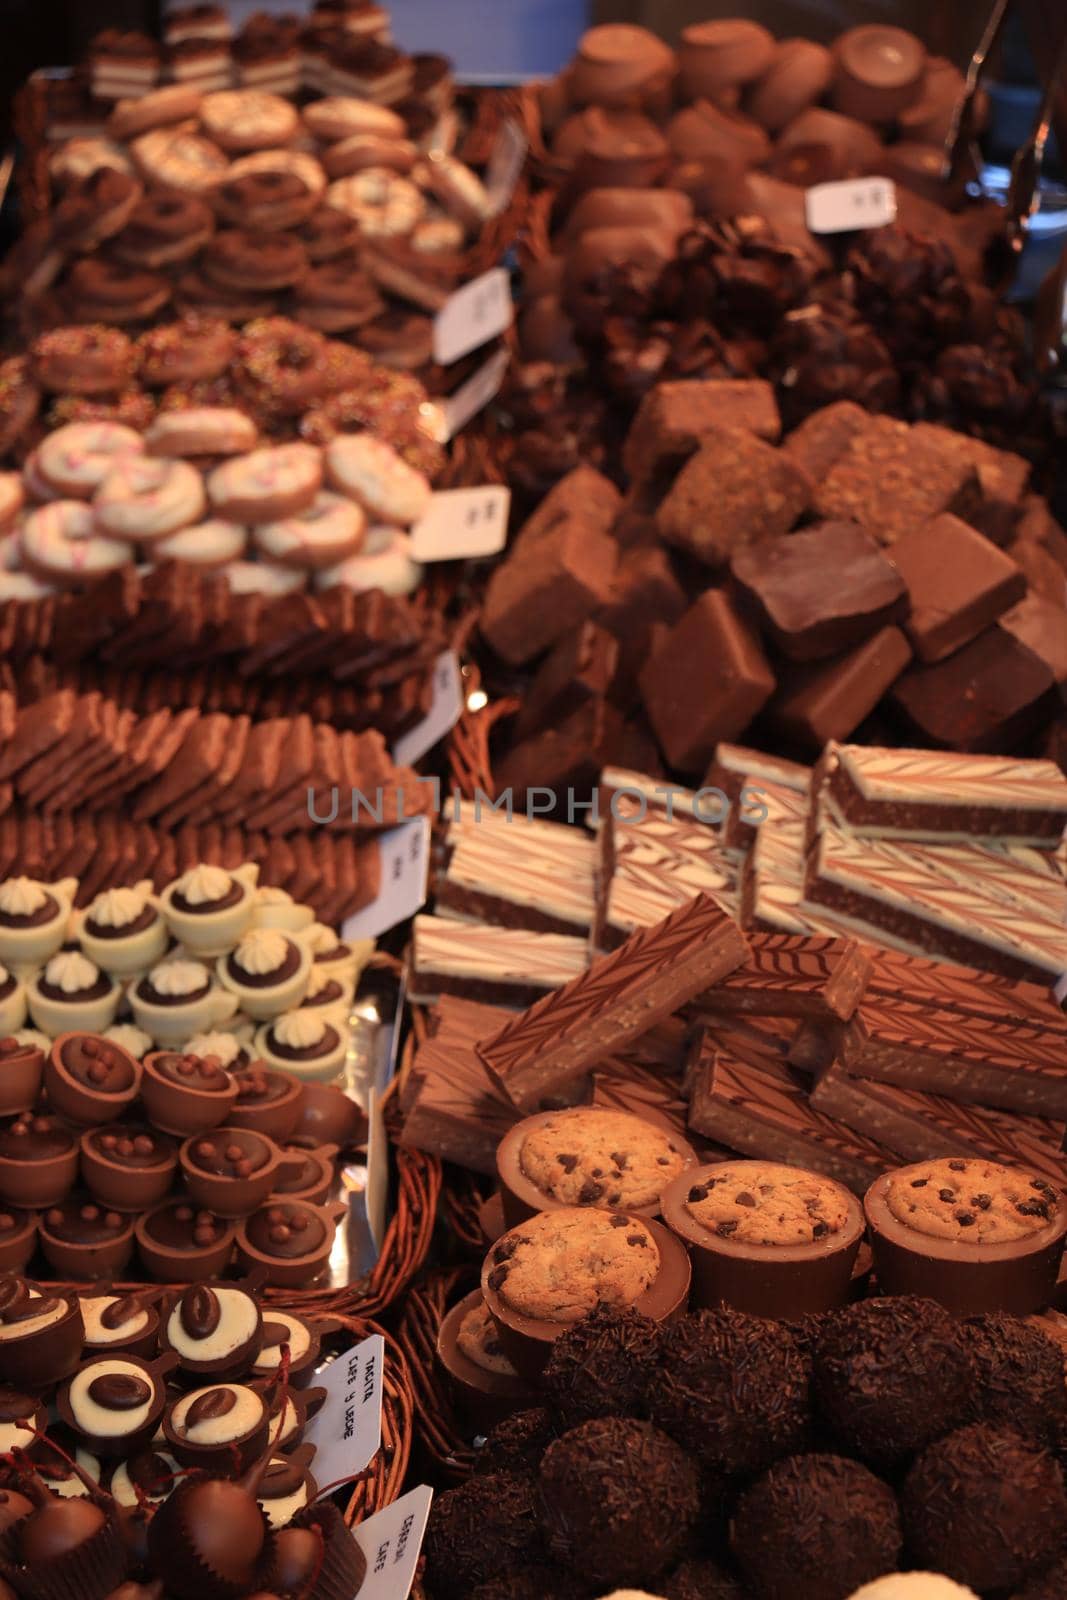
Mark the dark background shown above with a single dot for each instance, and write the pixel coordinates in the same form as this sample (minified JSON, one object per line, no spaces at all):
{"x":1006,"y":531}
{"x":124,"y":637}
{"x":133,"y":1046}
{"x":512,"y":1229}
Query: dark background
{"x":48,"y":33}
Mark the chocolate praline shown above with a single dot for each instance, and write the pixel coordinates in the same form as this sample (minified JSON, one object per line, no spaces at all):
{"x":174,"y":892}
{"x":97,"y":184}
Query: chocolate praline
{"x":486,"y":1526}
{"x":40,"y":1335}
{"x":305,"y":1174}
{"x":68,"y":1546}
{"x":268,"y":1102}
{"x":487,"y":1389}
{"x":38,"y":1161}
{"x":21,"y":1071}
{"x":18,"y":1238}
{"x":620,"y":1500}
{"x":290,"y":1239}
{"x":179,"y":1243}
{"x":211,"y":1539}
{"x":186,"y":1094}
{"x":1016,"y":1376}
{"x":128,"y":1166}
{"x":815,"y":1527}
{"x":230,"y":1171}
{"x":113,"y":1403}
{"x":127,"y":1323}
{"x":603,"y":1365}
{"x":220,"y":1427}
{"x":83,"y":1240}
{"x":90,"y":1079}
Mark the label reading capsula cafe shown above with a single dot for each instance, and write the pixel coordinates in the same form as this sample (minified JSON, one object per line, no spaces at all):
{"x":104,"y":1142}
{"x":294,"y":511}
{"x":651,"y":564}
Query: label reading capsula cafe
{"x":851,"y":204}
{"x":391,"y":1541}
{"x":347,"y":1431}
{"x":474,"y":314}
{"x":463,"y":523}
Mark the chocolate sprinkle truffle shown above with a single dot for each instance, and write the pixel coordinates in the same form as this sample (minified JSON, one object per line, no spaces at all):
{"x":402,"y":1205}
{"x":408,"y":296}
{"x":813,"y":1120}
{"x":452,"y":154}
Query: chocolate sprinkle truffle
{"x":986,"y":1507}
{"x":542,"y":1582}
{"x":1017,"y":1376}
{"x":890,"y":1375}
{"x":733,"y":1389}
{"x":518,"y":1443}
{"x":485,"y":1529}
{"x":701,"y":1580}
{"x":602,"y":1366}
{"x":620,"y":1499}
{"x":1052,"y":1585}
{"x":815,"y":1527}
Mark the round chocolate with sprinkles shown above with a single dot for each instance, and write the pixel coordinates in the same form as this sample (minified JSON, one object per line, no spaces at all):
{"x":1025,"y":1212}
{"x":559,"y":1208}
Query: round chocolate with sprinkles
{"x":1017,"y":1376}
{"x":973,"y":1234}
{"x":603,"y":1365}
{"x":541,"y":1582}
{"x":487,"y":1528}
{"x":518,"y":1443}
{"x":701,"y":1580}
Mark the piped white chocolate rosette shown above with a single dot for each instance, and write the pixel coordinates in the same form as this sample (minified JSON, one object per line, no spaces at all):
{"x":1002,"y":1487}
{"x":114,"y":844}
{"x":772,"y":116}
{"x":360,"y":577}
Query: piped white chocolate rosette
{"x":305,"y":1045}
{"x":268,"y":971}
{"x":179,"y":998}
{"x":71,"y":992}
{"x":208,"y":908}
{"x":130,"y":1038}
{"x":122,"y":931}
{"x":34,"y":919}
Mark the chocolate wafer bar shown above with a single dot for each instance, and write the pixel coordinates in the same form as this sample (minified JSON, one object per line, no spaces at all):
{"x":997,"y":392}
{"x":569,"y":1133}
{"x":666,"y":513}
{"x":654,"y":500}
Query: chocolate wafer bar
{"x":518,"y":874}
{"x":38,"y":729}
{"x":794,"y":975}
{"x":657,"y":970}
{"x":454,"y":1109}
{"x":895,"y":976}
{"x":494,"y":966}
{"x":648,"y":864}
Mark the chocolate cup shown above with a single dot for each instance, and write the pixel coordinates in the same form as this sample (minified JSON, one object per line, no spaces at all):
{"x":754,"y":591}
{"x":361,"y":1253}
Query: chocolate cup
{"x":181,"y":1108}
{"x":87,"y":1263}
{"x":491,"y":1219}
{"x":1018,"y":1277}
{"x":226,"y":1196}
{"x":522,"y":1199}
{"x":231,"y":1365}
{"x":306,"y":1403}
{"x":144,"y":1344}
{"x":124,"y":1187}
{"x":276,"y":1118}
{"x":20,"y":1080}
{"x":863,"y":87}
{"x":764,"y":1280}
{"x":329,"y":1116}
{"x":528,"y":1341}
{"x":485,"y":1398}
{"x":228,"y":1459}
{"x":302,"y":1370}
{"x":77,"y":1101}
{"x":47,"y":1356}
{"x":170,"y":1265}
{"x":317,"y":1193}
{"x":40,"y":1183}
{"x":17,"y":1243}
{"x":299,"y":1270}
{"x":110,"y":1446}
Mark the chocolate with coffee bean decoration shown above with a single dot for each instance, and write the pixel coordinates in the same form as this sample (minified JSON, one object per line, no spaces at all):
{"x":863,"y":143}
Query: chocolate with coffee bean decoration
{"x":214,"y":1328}
{"x":113,"y":1403}
{"x":40,"y":1334}
{"x":218,"y":1427}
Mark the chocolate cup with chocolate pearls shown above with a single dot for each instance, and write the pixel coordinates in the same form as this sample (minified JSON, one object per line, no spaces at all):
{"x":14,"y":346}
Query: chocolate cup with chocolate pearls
{"x":123,"y":932}
{"x":40,"y":1334}
{"x":290,"y":1240}
{"x":90,"y":1080}
{"x":1015,"y":1270}
{"x":230,"y":1171}
{"x":70,"y":993}
{"x":128,"y":1166}
{"x":185,"y":1094}
{"x":268,"y":1102}
{"x":207,"y":909}
{"x":179,"y":1243}
{"x":283,"y":1330}
{"x":306,"y":1174}
{"x":799,"y":1264}
{"x":602,"y":1187}
{"x":121,"y":1323}
{"x":18,"y":1238}
{"x":268,"y":971}
{"x":213,"y":1328}
{"x":114,"y":1403}
{"x":38,"y":1161}
{"x":221,"y":1427}
{"x":34,"y":918}
{"x":528,"y":1340}
{"x":84,"y":1241}
{"x":21,"y":1072}
{"x":483,"y":1395}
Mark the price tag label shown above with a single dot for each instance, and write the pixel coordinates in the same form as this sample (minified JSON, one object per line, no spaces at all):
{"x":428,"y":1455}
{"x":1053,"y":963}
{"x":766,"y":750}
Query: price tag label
{"x":444,"y":712}
{"x":347,"y":1431}
{"x":854,"y":203}
{"x":474,"y":395}
{"x":391,"y":1541}
{"x":405,"y":868}
{"x":462,"y":523}
{"x":506,"y":164}
{"x":479,"y":311}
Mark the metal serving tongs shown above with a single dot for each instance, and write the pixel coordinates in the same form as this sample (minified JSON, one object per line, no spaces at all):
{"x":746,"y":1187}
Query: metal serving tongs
{"x":962,"y":156}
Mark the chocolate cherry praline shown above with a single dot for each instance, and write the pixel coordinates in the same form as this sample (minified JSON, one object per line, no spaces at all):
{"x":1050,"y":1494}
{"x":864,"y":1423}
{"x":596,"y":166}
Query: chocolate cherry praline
{"x":40,"y":1334}
{"x":212,"y":1540}
{"x":38,"y":1161}
{"x":230,"y":1171}
{"x":179,"y":1242}
{"x":218,"y":1427}
{"x":121,"y":1323}
{"x":213,"y":1328}
{"x":290,"y":1239}
{"x":128,"y":1166}
{"x":18,"y":1238}
{"x":114,"y":1402}
{"x":21,"y":1070}
{"x":267,"y":1101}
{"x":89,"y":1079}
{"x":485,"y":1394}
{"x":796,"y":1264}
{"x":186,"y":1094}
{"x":83,"y":1240}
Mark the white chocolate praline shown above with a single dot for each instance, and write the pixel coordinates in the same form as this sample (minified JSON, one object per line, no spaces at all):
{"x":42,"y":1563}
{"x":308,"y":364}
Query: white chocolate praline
{"x":212,"y":928}
{"x":276,"y":908}
{"x":117,"y":908}
{"x":123,"y":1490}
{"x":914,"y":1586}
{"x":238,"y":1315}
{"x":13,"y":1005}
{"x":261,"y":951}
{"x":299,"y":1341}
{"x":93,"y":1418}
{"x":284,"y":1508}
{"x":300,"y":1030}
{"x":130,"y":1038}
{"x":21,"y":897}
{"x":304,"y":1030}
{"x":197,"y":1007}
{"x":93,"y":1308}
{"x":124,"y":954}
{"x":244,"y":1416}
{"x":34,"y":1036}
{"x":204,"y":885}
{"x":74,"y":976}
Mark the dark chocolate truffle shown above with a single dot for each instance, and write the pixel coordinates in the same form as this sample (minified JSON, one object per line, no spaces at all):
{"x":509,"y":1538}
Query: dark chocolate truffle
{"x":542,"y":1582}
{"x":985,"y":1507}
{"x":485,"y":1529}
{"x":1052,"y":1585}
{"x":815,"y":1527}
{"x":701,"y":1580}
{"x":620,"y":1499}
{"x":733,"y":1389}
{"x":602,"y":1365}
{"x":890,"y":1375}
{"x":1017,"y":1377}
{"x":518,"y":1443}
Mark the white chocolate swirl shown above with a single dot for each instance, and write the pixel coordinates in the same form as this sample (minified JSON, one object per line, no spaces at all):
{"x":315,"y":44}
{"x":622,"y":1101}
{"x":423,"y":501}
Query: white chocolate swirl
{"x":299,"y":1030}
{"x":261,"y":951}
{"x":21,"y":897}
{"x":71,"y":972}
{"x":179,"y":977}
{"x":117,"y":908}
{"x":203,"y":885}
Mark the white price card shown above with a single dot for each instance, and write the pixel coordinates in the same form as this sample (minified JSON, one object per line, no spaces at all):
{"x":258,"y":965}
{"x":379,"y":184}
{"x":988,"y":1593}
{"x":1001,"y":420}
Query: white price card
{"x":474,"y":395}
{"x":405,"y":868}
{"x":391,"y":1541}
{"x":506,"y":164}
{"x":474,"y":314}
{"x":462,"y":523}
{"x":853,"y":203}
{"x":445,"y":709}
{"x":347,"y":1431}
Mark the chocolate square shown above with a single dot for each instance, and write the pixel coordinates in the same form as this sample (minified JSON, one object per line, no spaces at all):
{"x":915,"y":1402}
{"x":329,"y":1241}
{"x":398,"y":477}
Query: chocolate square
{"x":829,"y":699}
{"x":958,"y":583}
{"x":734,"y":491}
{"x":822,"y":439}
{"x":891,"y":480}
{"x":1042,"y":628}
{"x":547,"y":587}
{"x":989,"y":696}
{"x":578,"y":668}
{"x":673,"y":419}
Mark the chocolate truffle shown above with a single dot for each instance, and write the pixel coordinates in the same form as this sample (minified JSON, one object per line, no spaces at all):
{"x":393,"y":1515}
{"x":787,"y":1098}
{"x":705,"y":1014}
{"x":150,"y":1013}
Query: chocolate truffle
{"x":18,"y":1238}
{"x":290,"y":1240}
{"x":270,"y":1102}
{"x":517,"y":1444}
{"x":620,"y":1499}
{"x":1016,"y":1377}
{"x":814,"y":1527}
{"x":986,"y":1507}
{"x":733,"y":1389}
{"x":700,"y":1580}
{"x":540,"y":1582}
{"x":488,"y":1526}
{"x":179,"y":1243}
{"x":1050,"y":1586}
{"x":603,"y":1365}
{"x":889,"y":1376}
{"x":340,"y":1565}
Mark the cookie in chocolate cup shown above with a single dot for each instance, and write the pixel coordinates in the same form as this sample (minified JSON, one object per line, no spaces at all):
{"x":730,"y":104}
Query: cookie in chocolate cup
{"x":970,"y":1233}
{"x":587,"y":1156}
{"x":128,"y":1165}
{"x":186,"y":1094}
{"x":21,"y":1071}
{"x":484,"y":1384}
{"x":38,"y":1161}
{"x":268,"y":971}
{"x":213,"y":1328}
{"x":222,"y":1427}
{"x":765,"y":1238}
{"x":40,"y":1334}
{"x":552,"y":1269}
{"x":287,"y":1487}
{"x":71,"y":992}
{"x":89,"y":1079}
{"x":230,"y":1171}
{"x":18,"y":1238}
{"x":208,"y":908}
{"x":269,"y":1102}
{"x":85,"y":1241}
{"x":282,"y":1331}
{"x":113,"y":1403}
{"x":181,"y":1243}
{"x":127,"y":1323}
{"x":290,"y":1240}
